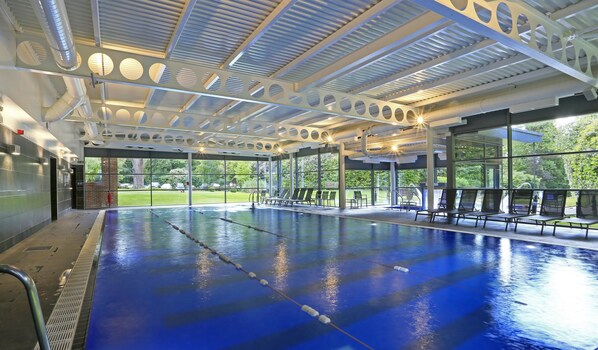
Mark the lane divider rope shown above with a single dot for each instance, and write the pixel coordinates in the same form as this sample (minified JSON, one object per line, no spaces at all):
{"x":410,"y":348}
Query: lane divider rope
{"x":252,"y":227}
{"x":308,"y":309}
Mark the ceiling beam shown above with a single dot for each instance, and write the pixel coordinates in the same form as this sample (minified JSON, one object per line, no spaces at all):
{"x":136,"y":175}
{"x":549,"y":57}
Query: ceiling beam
{"x":186,"y":78}
{"x":266,"y":24}
{"x":169,"y":120}
{"x":482,"y":17}
{"x":404,"y":35}
{"x":332,"y":39}
{"x":180,"y":26}
{"x":561,"y":16}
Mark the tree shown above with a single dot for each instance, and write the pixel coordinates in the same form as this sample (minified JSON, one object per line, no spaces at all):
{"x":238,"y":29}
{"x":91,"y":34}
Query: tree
{"x":137,"y":164}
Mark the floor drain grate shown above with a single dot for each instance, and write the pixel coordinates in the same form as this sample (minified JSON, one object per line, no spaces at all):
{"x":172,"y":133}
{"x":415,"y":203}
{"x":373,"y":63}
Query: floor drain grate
{"x":38,"y":248}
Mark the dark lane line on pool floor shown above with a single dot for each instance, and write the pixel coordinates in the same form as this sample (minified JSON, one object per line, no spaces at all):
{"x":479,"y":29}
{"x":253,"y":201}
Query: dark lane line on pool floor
{"x":305,"y":308}
{"x":202,"y":314}
{"x":346,"y":257}
{"x":356,"y":313}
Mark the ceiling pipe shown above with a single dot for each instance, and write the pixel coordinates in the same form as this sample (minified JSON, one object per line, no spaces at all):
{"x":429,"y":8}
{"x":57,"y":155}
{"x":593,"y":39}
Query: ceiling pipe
{"x":54,"y":22}
{"x":559,"y":86}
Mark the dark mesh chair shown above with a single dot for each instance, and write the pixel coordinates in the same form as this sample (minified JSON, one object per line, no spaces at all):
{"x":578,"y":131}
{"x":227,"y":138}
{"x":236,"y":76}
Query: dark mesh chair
{"x":324,"y":198}
{"x":331,"y":197}
{"x":519,"y":206}
{"x":297,"y":199}
{"x":276,"y":197}
{"x":466,"y":204}
{"x":307,"y":199}
{"x":553,"y":208}
{"x":490,"y":206}
{"x":586,"y":211}
{"x":442,"y":204}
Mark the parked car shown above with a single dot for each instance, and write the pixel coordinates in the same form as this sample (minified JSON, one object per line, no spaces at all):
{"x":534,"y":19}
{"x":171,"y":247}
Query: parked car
{"x":155,"y":184}
{"x":180,"y":186}
{"x":166,"y":187}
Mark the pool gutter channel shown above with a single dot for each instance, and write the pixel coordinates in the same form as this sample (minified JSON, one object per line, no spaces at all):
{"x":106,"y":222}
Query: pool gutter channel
{"x":64,"y":319}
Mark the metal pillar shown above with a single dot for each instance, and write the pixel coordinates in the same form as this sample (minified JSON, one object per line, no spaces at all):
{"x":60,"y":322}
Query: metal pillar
{"x":190,"y":177}
{"x":291,"y":173}
{"x":430,"y":167}
{"x":393,"y":183}
{"x":270,"y":174}
{"x":342,"y":196}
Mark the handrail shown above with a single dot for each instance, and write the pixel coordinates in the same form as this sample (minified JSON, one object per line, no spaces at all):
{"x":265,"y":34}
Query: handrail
{"x":34,"y":303}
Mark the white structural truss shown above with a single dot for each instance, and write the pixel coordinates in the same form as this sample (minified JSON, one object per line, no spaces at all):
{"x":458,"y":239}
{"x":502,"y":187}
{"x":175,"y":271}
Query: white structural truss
{"x":119,"y":137}
{"x":144,"y":71}
{"x":527,"y":31}
{"x":111,"y":114}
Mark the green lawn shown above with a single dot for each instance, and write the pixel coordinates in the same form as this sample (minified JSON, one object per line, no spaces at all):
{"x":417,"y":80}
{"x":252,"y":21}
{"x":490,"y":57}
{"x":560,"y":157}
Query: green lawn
{"x":128,"y":198}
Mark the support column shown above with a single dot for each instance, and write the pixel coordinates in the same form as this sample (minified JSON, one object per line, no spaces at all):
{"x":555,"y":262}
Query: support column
{"x":292,"y":173}
{"x":270,"y":174}
{"x":393,"y":183}
{"x":430,"y":167}
{"x":190,"y":178}
{"x":342,"y":196}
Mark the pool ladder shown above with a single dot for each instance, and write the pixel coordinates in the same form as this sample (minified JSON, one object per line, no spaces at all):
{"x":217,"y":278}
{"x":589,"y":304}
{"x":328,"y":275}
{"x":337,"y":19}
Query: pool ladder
{"x":34,"y":304}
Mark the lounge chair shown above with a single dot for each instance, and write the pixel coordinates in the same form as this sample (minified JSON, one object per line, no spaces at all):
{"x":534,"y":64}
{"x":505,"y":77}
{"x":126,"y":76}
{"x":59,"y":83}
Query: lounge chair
{"x":490,"y":206}
{"x":286,"y":196}
{"x":466,"y":204}
{"x":318,"y":198}
{"x":441,"y":205}
{"x":324,"y":198}
{"x":297,"y":199}
{"x":307,"y":199}
{"x":586,"y":211}
{"x":271,"y":200}
{"x":331,"y":197}
{"x":519,"y":206}
{"x":553,"y":208}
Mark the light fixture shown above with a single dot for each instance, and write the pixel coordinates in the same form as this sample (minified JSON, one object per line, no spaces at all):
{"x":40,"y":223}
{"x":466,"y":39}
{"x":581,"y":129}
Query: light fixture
{"x":201,"y":149}
{"x":394,"y":148}
{"x":329,"y":139}
{"x":279,"y":149}
{"x":14,"y":149}
{"x":420,"y":120}
{"x":43,"y":161}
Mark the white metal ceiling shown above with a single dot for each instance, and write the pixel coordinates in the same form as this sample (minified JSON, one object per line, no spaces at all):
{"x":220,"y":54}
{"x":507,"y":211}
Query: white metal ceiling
{"x":214,"y":30}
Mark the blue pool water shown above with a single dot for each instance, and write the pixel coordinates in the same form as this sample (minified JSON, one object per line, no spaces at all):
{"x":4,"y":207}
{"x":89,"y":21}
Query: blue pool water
{"x":158,"y":289}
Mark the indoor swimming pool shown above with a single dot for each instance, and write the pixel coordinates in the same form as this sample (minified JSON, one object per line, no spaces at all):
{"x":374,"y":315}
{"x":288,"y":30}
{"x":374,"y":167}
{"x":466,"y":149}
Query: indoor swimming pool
{"x":236,"y":278}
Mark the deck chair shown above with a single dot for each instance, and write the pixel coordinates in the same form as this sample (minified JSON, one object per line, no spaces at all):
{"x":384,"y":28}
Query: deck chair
{"x":466,"y":204}
{"x":324,"y":198}
{"x":331,"y":197}
{"x":291,"y":201}
{"x":519,"y":206}
{"x":553,"y":208}
{"x":490,"y":206}
{"x":287,"y":196}
{"x":586,"y":211}
{"x":276,"y":196}
{"x":307,"y":199}
{"x":442,"y":205}
{"x":318,"y":198}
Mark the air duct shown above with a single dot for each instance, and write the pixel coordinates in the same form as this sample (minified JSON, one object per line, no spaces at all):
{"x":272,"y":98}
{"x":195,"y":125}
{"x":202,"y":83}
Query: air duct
{"x":53,"y":20}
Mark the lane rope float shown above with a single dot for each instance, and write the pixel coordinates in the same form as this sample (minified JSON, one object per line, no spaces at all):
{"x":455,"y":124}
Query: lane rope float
{"x":394,"y":267}
{"x":305,"y":308}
